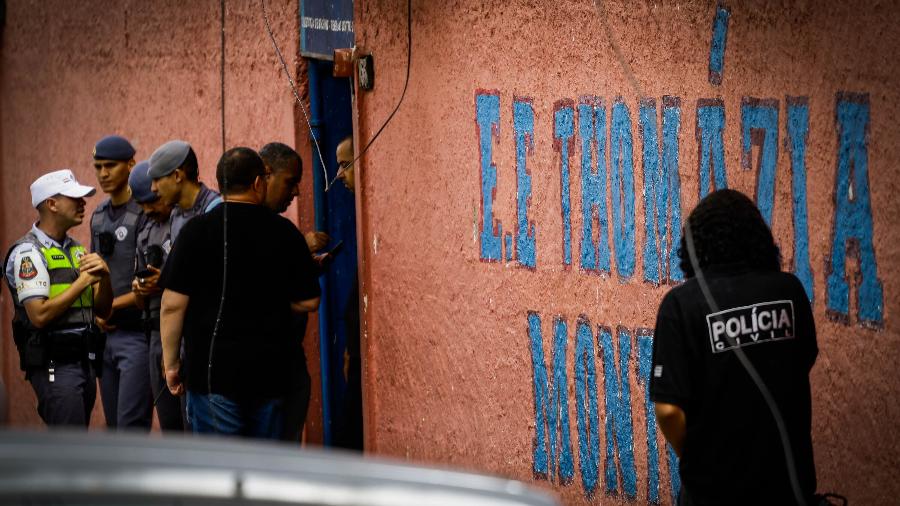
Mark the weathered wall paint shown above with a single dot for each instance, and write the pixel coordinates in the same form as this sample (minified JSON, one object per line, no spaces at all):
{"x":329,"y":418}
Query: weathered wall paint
{"x":710,"y":127}
{"x":552,"y":445}
{"x":455,"y":373}
{"x":798,"y":133}
{"x":523,"y":121}
{"x":662,"y":191}
{"x":592,"y":130}
{"x":564,"y":130}
{"x":717,"y":45}
{"x":759,"y":127}
{"x":853,"y":215}
{"x":622,"y":186}
{"x":488,"y":119}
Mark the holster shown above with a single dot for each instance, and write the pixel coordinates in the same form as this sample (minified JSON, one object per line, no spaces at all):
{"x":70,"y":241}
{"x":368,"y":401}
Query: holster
{"x":21,"y":337}
{"x":34,"y":353}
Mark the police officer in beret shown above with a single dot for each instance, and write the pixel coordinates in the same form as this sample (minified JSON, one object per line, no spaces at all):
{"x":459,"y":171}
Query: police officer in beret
{"x":125,"y":379}
{"x":153,"y":246}
{"x":176,"y":179}
{"x":58,"y":288}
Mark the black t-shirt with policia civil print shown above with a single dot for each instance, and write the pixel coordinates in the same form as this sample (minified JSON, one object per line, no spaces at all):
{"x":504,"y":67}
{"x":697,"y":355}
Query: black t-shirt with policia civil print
{"x":269,"y":266}
{"x":732,"y":452}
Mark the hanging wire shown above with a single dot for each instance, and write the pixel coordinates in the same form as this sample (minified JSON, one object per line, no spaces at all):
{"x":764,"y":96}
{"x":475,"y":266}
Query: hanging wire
{"x":294,"y":91}
{"x":402,"y":94}
{"x":218,"y":324}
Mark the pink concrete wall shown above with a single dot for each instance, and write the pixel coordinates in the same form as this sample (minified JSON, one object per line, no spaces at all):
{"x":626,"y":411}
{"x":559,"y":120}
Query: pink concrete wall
{"x":450,"y":370}
{"x":74,"y":72}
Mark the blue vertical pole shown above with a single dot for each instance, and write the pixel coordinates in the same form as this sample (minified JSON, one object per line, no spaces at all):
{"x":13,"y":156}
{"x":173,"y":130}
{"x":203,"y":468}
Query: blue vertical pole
{"x":321,"y":214}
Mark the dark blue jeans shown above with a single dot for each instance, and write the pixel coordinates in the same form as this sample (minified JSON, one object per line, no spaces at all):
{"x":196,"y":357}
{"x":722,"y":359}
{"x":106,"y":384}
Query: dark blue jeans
{"x":217,"y":414}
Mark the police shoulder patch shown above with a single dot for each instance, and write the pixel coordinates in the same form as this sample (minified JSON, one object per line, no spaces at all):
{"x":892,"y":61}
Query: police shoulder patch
{"x":27,"y":269}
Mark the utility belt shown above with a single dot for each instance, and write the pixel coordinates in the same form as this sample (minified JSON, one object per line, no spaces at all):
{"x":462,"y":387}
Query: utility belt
{"x":38,"y":348}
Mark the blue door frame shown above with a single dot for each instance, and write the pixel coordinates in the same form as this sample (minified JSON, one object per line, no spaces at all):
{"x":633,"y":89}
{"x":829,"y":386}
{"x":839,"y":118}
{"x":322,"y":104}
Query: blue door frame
{"x":331,"y":118}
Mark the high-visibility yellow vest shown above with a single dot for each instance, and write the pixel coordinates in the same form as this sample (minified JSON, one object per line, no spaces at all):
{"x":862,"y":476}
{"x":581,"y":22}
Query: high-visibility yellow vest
{"x":62,"y":267}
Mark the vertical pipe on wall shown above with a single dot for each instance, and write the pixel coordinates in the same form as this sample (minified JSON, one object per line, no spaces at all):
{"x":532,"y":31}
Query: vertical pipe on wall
{"x":321,"y":213}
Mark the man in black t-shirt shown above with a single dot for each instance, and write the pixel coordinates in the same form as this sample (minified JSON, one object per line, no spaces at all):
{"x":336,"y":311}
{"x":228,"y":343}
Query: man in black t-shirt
{"x":237,"y":344}
{"x":707,"y":405}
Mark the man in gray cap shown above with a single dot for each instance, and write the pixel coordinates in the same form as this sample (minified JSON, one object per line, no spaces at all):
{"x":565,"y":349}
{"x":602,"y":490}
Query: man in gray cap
{"x":153,"y":246}
{"x":124,"y":382}
{"x":176,"y":179}
{"x":57,"y":290}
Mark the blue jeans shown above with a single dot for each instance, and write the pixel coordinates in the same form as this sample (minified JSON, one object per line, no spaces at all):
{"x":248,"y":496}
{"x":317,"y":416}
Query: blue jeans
{"x":217,"y":414}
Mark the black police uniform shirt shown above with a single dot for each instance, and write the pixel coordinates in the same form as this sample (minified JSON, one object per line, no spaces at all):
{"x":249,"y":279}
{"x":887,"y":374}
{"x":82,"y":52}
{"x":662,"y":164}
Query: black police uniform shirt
{"x":732,"y":452}
{"x":269,"y":266}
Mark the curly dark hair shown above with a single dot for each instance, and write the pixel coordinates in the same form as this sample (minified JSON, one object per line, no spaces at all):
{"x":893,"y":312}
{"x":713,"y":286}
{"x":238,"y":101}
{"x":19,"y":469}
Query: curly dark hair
{"x":728,"y":228}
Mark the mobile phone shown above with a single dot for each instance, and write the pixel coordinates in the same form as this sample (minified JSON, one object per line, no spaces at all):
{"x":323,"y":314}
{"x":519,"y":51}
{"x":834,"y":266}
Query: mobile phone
{"x":146,"y":273}
{"x":336,"y":248}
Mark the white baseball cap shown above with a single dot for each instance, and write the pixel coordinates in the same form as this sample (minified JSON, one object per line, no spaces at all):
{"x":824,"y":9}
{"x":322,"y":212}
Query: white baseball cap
{"x":58,"y":182}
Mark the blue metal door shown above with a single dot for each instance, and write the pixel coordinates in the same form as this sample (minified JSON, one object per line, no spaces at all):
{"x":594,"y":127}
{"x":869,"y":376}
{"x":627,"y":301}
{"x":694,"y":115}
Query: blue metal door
{"x":330,"y":114}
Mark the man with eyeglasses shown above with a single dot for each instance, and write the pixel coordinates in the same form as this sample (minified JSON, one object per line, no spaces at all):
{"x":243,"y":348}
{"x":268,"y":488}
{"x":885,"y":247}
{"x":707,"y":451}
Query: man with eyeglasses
{"x":57,"y":290}
{"x":349,"y":431}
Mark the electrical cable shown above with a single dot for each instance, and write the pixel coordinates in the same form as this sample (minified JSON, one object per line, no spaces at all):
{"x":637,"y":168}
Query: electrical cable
{"x":402,"y":94}
{"x":294,"y":91}
{"x":224,"y":189}
{"x":742,"y":358}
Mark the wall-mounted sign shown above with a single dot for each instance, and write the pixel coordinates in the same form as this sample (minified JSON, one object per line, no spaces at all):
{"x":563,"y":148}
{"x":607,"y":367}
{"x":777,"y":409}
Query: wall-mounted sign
{"x":325,"y":25}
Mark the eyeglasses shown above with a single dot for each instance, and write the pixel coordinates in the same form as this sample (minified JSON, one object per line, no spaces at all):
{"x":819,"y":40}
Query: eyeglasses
{"x":342,"y":166}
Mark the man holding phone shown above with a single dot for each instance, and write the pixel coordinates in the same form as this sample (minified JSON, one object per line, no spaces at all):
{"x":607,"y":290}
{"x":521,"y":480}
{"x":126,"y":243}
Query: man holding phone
{"x":284,"y":169}
{"x":153,"y":246}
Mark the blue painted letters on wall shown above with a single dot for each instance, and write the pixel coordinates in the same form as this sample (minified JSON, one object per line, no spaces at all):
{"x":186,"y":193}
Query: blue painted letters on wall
{"x":563,"y":130}
{"x":853,"y":215}
{"x":552,"y":443}
{"x":797,"y":133}
{"x":523,"y":127}
{"x":487,"y":115}
{"x":662,"y":191}
{"x":619,"y":431}
{"x":759,"y":127}
{"x":592,"y":130}
{"x":586,"y":405}
{"x":717,"y":45}
{"x":645,"y":361}
{"x":710,"y":129}
{"x":622,"y":182}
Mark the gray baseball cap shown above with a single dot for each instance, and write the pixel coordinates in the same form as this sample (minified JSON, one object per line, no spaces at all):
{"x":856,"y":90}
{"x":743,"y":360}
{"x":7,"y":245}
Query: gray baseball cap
{"x":167,"y":158}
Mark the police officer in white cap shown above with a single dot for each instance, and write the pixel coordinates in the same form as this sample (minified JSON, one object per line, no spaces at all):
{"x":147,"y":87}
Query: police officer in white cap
{"x":125,"y":379}
{"x":57,"y":290}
